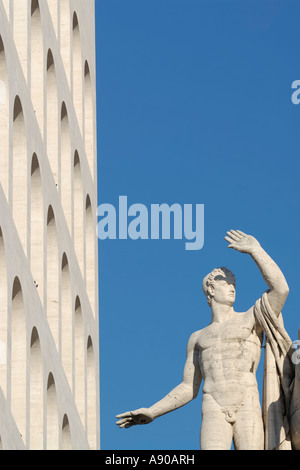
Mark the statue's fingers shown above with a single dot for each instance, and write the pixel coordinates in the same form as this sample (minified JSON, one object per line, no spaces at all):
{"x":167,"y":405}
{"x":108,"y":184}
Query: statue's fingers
{"x":237,"y":234}
{"x":124,"y":415}
{"x":124,"y":420}
{"x":128,"y":425}
{"x":228,"y":239}
{"x":233,"y":235}
{"x":125,"y":425}
{"x":242,"y":233}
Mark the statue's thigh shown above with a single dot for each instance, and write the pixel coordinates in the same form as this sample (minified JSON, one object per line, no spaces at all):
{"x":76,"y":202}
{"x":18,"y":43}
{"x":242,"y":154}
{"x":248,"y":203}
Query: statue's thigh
{"x":216,"y":432}
{"x":295,"y":410}
{"x":248,"y":430}
{"x":295,"y":429}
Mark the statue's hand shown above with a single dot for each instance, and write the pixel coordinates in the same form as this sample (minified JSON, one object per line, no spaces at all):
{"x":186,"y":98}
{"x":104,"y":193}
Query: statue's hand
{"x":131,"y":418}
{"x":242,"y":242}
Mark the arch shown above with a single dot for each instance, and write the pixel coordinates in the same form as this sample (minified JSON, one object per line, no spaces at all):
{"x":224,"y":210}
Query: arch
{"x":53,"y":8}
{"x":6,"y":4}
{"x":52,"y":276}
{"x":91,"y":395}
{"x":37,"y":63}
{"x":20,"y":29}
{"x":36,"y":392}
{"x":89,"y":121}
{"x":66,"y":434}
{"x":79,"y":361}
{"x":77,"y":74}
{"x":90,"y":254}
{"x":52,"y":116}
{"x":52,"y":415}
{"x":65,"y":36}
{"x":3,"y":315}
{"x":65,"y":184}
{"x":67,"y":323}
{"x":78,"y":212}
{"x":20,"y":172}
{"x":4,"y":121}
{"x":37,"y":227}
{"x":18,"y":358}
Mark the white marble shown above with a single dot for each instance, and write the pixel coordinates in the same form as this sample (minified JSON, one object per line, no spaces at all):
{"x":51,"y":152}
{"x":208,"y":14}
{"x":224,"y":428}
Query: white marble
{"x":225,"y":356}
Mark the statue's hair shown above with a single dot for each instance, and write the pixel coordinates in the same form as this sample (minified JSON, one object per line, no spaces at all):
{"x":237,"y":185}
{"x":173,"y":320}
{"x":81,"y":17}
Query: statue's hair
{"x":216,"y":275}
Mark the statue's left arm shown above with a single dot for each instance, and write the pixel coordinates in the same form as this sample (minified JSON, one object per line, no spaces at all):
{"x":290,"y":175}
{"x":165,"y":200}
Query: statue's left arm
{"x":271,"y":273}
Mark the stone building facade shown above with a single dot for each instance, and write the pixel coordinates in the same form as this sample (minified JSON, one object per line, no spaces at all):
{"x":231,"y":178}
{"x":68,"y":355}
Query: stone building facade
{"x":49,"y":341}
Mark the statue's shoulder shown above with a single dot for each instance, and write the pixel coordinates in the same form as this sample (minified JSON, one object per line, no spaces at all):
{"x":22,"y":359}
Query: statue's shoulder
{"x":249,"y":314}
{"x":194,"y":338}
{"x":251,"y":321}
{"x":197,"y":337}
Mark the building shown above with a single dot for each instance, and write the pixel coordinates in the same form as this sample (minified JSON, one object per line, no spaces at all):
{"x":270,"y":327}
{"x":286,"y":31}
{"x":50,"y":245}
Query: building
{"x":49,"y":347}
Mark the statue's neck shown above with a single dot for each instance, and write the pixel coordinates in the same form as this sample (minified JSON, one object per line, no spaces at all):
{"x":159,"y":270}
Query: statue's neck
{"x":221,"y":312}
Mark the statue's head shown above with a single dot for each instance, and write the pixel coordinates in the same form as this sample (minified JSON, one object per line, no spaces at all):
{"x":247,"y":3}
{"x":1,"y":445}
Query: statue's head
{"x":220,"y":285}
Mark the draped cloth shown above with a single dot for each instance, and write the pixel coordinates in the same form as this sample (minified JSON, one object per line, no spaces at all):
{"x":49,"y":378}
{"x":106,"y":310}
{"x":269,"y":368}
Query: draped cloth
{"x":279,"y":373}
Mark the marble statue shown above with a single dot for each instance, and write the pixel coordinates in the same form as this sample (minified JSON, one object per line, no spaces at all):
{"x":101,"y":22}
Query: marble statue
{"x":295,"y":406}
{"x":226,"y":354}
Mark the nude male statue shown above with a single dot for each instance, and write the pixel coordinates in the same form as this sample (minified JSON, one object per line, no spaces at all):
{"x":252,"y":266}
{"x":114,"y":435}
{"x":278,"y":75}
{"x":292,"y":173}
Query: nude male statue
{"x":225,"y":355}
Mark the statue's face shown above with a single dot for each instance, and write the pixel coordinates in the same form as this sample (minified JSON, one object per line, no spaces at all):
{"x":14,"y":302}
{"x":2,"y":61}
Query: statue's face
{"x":224,"y":292}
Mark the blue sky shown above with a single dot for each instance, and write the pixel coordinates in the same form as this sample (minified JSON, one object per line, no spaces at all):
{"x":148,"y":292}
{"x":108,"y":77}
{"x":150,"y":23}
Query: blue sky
{"x":194,"y":107}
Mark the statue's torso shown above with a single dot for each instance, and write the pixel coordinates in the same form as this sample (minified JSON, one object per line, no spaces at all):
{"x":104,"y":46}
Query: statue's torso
{"x":229,"y":355}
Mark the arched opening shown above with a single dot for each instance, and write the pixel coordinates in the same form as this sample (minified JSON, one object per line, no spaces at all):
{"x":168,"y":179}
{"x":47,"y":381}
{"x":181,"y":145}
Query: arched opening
{"x":3,"y":315}
{"x":91,"y":395}
{"x":20,"y":173}
{"x":89,"y":122}
{"x":21,"y":32}
{"x":79,"y":362}
{"x":53,"y":7}
{"x":4,"y":121}
{"x":52,"y":415}
{"x":66,"y":434}
{"x":65,"y":35}
{"x":52,"y":116}
{"x":67,"y":323}
{"x":77,"y":71}
{"x":18,"y":359}
{"x":78,"y":212}
{"x":52,"y":276}
{"x":37,"y":227}
{"x":37,"y":64}
{"x":36,"y":393}
{"x":66,"y":164}
{"x":6,"y":4}
{"x":90,"y":255}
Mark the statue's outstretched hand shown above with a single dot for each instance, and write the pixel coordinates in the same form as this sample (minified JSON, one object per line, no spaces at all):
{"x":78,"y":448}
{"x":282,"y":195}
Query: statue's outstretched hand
{"x":131,"y":418}
{"x":242,"y":242}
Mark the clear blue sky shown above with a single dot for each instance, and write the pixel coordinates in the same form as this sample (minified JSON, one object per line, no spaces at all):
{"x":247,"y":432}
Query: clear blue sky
{"x":194,"y":106}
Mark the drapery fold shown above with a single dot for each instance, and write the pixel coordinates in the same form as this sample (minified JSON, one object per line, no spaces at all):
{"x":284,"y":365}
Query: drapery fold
{"x":279,"y":373}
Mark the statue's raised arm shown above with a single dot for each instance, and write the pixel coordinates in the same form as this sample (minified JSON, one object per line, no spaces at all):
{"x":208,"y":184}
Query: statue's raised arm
{"x":271,"y":273}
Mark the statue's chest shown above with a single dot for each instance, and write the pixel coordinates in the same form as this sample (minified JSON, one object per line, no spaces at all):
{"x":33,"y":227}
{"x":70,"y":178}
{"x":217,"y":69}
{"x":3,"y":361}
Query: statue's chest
{"x":224,"y":333}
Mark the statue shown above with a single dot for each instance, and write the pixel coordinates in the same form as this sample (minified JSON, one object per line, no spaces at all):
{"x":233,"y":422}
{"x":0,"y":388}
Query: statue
{"x":295,"y":406}
{"x":226,"y":354}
